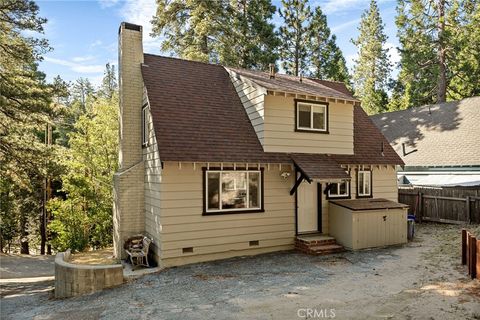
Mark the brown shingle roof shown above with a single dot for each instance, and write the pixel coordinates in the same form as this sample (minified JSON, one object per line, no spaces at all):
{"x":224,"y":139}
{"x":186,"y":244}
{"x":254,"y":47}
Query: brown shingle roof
{"x":198,"y":117}
{"x":319,"y":166}
{"x":445,"y":134}
{"x":368,"y":204}
{"x":286,"y":83}
{"x":368,"y":142}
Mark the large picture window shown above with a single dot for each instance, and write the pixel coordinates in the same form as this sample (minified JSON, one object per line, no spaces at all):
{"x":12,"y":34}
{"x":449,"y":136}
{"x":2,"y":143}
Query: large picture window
{"x":311,"y":117}
{"x":233,"y":191}
{"x":339,"y":190}
{"x":364,"y":183}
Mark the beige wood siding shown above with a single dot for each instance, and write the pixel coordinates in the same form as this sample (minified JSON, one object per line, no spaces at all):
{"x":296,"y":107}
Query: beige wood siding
{"x":252,"y":97}
{"x":384,"y":186}
{"x":368,"y":228}
{"x":221,"y":236}
{"x":280,"y":134}
{"x":153,"y":178}
{"x":385,"y":183}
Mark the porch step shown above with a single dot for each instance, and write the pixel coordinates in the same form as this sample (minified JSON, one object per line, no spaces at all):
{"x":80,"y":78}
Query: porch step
{"x":317,"y":244}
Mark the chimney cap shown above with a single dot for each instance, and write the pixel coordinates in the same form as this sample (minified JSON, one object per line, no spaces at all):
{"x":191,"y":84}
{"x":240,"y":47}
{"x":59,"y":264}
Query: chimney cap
{"x":130,"y":26}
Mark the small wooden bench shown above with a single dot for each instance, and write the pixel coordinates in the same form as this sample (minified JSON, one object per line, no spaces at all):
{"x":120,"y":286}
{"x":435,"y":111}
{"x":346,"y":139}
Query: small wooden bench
{"x":138,"y":252}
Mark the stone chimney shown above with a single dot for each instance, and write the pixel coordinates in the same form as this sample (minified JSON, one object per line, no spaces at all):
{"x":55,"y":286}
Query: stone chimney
{"x":130,"y":58}
{"x":128,"y":207}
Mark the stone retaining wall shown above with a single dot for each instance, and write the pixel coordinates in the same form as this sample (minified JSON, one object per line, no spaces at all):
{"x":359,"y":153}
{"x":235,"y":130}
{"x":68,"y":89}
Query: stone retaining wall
{"x":76,"y":279}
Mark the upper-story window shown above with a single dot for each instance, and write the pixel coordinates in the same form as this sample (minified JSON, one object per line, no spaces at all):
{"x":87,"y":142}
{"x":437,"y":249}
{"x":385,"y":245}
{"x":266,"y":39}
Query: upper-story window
{"x":364,"y":183}
{"x":145,"y":125}
{"x":311,"y":116}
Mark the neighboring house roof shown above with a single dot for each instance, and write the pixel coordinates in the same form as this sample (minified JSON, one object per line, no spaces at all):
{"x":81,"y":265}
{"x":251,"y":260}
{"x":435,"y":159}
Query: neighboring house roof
{"x":292,"y":84}
{"x":199,"y":117}
{"x":446,"y":134}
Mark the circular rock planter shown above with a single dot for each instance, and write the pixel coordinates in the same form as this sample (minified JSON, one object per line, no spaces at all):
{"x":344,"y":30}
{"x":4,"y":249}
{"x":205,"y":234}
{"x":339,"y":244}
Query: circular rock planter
{"x":77,"y":279}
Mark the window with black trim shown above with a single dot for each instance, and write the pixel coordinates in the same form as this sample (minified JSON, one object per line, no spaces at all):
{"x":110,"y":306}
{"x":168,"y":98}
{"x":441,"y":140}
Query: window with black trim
{"x":311,"y":116}
{"x":144,"y":125}
{"x":231,"y":191}
{"x":339,"y":190}
{"x":364,"y":183}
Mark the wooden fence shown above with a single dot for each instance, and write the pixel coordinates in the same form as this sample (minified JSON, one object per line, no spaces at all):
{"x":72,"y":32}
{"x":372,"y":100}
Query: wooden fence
{"x":471,"y":254}
{"x":449,"y":205}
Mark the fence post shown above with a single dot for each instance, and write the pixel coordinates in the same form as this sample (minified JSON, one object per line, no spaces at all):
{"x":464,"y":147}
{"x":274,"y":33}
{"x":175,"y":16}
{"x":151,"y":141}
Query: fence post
{"x":468,"y":252}
{"x":420,"y":206}
{"x":477,"y":263}
{"x":473,"y":257}
{"x":464,"y":246}
{"x":469,"y":214}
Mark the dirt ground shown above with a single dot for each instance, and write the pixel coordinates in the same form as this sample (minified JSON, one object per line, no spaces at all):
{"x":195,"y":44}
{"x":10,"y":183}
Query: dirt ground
{"x":420,"y":280}
{"x":102,"y":256}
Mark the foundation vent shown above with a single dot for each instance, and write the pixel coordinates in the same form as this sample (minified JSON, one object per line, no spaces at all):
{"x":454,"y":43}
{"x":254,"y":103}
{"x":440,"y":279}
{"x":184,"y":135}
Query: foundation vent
{"x":253,"y":243}
{"x":187,"y":250}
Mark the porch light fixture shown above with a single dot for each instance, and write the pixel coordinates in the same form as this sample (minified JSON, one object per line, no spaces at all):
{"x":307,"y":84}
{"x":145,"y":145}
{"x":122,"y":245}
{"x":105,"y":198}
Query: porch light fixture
{"x":285,"y":175}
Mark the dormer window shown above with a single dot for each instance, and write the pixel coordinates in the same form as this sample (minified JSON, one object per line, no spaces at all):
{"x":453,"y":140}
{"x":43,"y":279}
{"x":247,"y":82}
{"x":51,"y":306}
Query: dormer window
{"x":311,"y":116}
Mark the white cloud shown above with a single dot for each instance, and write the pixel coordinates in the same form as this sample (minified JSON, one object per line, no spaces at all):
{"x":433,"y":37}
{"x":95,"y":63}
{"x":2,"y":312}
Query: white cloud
{"x":141,"y":12}
{"x":337,"y":6}
{"x":76,"y":66}
{"x":393,"y":52}
{"x":83,"y":58}
{"x":345,"y":25}
{"x":350,"y":60}
{"x":107,"y":3}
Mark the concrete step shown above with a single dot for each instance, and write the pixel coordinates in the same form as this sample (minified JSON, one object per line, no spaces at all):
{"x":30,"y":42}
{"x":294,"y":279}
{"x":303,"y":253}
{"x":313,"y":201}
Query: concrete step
{"x":326,"y":249}
{"x":315,"y":239}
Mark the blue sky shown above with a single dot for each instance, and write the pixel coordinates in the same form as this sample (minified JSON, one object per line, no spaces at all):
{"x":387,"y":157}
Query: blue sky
{"x":83,"y":34}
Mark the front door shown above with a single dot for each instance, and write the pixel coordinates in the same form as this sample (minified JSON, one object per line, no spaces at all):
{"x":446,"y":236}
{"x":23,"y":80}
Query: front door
{"x":307,"y":212}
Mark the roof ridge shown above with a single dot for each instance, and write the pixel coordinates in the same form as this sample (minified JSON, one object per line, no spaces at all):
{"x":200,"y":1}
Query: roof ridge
{"x":183,"y":59}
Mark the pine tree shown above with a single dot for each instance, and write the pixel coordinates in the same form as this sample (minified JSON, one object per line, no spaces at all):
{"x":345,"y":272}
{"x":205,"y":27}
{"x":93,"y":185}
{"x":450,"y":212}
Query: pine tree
{"x":109,"y":83}
{"x":326,"y":58}
{"x":439,"y":50}
{"x":250,"y":41}
{"x":372,"y":68}
{"x":294,"y":36}
{"x":191,"y":29}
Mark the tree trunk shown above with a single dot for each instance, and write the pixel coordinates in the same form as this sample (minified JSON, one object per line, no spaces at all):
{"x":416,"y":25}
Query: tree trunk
{"x":24,"y":248}
{"x":442,"y":77}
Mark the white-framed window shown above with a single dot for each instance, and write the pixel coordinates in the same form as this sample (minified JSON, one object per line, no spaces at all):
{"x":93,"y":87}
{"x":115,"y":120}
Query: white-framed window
{"x":364,"y":183}
{"x":339,"y":190}
{"x":312,"y":116}
{"x":145,"y":125}
{"x":233,"y":191}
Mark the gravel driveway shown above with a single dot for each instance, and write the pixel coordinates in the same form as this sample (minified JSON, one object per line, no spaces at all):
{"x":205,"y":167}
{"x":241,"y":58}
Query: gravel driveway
{"x":421,"y":280}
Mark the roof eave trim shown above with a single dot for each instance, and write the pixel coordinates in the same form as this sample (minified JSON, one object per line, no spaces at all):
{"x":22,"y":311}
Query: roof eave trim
{"x":251,"y":82}
{"x":307,"y":96}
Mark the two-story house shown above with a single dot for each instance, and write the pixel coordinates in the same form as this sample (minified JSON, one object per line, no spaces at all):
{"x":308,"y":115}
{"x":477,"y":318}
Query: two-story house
{"x":217,"y":162}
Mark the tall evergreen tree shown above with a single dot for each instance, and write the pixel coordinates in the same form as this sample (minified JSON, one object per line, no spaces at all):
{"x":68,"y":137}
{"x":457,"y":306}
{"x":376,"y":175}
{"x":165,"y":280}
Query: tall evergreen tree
{"x":326,"y":58}
{"x":191,"y":29}
{"x":250,"y":41}
{"x":439,"y":50}
{"x":372,"y":68}
{"x":109,"y":82}
{"x":294,"y":36}
{"x":25,"y":110}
